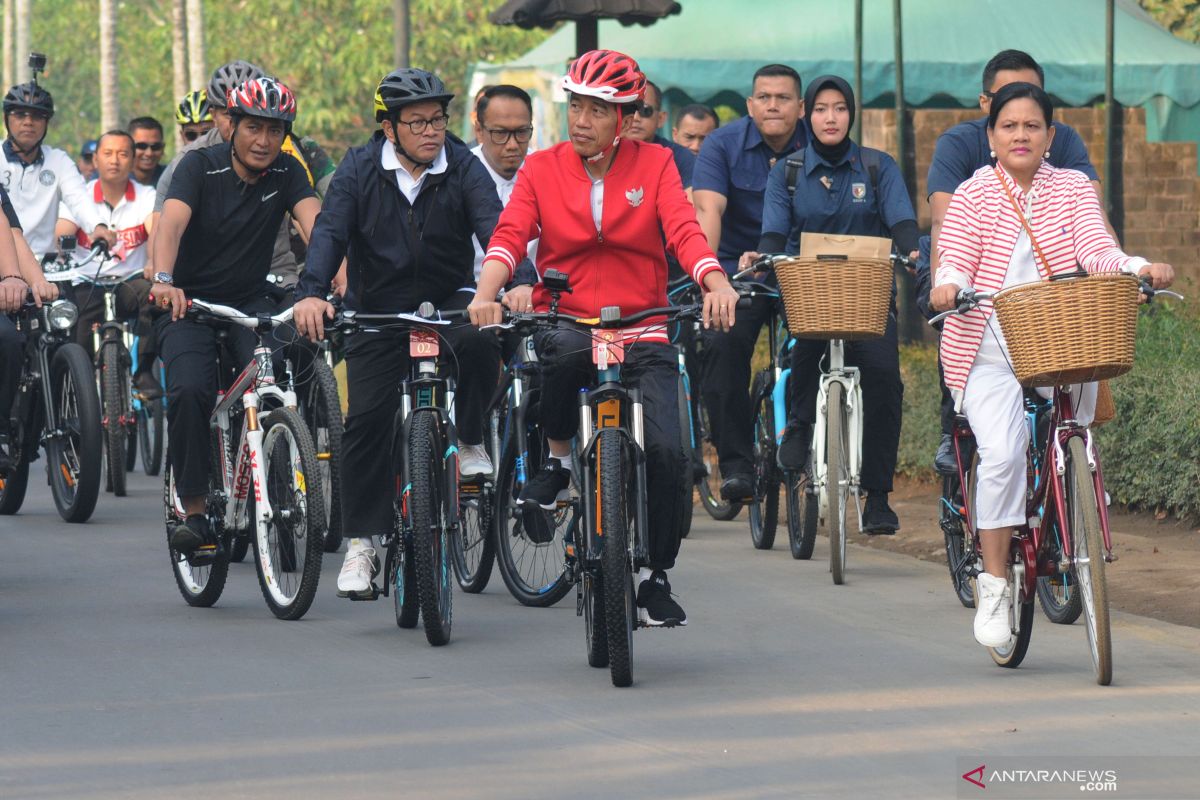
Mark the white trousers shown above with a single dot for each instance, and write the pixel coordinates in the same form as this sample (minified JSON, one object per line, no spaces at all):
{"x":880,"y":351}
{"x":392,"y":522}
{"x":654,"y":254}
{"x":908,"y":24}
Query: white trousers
{"x":994,"y":405}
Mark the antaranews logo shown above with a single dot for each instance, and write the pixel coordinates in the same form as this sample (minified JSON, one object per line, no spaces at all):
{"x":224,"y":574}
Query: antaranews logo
{"x":1036,"y":777}
{"x":975,"y":776}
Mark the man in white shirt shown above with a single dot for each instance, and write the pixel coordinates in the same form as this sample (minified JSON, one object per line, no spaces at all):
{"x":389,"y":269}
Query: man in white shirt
{"x":504,"y":128}
{"x":38,"y":177}
{"x":125,"y":207}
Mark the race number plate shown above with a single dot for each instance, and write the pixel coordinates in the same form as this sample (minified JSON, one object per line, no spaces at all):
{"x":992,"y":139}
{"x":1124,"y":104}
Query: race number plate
{"x":607,"y":348}
{"x":422,"y":344}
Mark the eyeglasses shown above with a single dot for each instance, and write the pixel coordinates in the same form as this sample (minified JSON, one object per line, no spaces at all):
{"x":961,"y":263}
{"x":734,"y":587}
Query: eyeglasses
{"x":646,"y":110}
{"x":501,"y":135}
{"x":156,"y":147}
{"x":417,"y":126}
{"x":25,"y":114}
{"x":191,"y":136}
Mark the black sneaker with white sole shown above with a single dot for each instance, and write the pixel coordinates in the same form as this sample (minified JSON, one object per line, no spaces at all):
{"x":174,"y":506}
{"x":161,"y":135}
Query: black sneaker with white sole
{"x":548,"y":486}
{"x":656,"y":607}
{"x":190,"y":535}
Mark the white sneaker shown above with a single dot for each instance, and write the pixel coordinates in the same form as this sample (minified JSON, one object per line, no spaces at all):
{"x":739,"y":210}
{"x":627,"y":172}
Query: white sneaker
{"x":358,"y":569}
{"x":473,"y":460}
{"x":993,"y":603}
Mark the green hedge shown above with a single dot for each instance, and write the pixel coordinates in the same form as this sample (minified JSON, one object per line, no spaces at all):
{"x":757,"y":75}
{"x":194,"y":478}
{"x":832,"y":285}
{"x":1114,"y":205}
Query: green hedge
{"x":1151,"y":451}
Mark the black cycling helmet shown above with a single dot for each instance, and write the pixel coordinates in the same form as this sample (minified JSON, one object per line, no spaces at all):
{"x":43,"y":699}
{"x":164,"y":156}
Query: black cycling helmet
{"x":403,"y":87}
{"x":29,"y":96}
{"x":228,"y":77}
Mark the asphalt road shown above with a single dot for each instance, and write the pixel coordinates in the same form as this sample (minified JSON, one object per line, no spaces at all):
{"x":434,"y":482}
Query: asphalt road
{"x":782,"y":686}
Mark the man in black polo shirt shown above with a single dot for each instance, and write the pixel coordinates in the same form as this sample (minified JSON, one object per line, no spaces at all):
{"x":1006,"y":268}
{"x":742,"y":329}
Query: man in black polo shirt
{"x":215,"y":239}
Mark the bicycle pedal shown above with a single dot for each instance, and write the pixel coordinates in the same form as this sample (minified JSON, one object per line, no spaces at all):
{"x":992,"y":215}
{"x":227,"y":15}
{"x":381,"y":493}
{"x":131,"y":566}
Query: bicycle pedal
{"x":363,"y":597}
{"x":203,"y":556}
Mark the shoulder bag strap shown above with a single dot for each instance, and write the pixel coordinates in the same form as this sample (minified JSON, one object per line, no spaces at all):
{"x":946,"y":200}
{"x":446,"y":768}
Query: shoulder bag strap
{"x":1044,"y":265}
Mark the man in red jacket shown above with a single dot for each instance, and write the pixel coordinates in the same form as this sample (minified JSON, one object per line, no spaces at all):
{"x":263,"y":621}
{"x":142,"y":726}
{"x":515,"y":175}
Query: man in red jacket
{"x":601,"y":204}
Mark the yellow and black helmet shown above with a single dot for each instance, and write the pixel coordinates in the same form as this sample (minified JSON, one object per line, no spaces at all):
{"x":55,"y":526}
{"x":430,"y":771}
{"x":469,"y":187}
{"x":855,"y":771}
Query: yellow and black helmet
{"x":404,"y":87}
{"x":193,"y":108}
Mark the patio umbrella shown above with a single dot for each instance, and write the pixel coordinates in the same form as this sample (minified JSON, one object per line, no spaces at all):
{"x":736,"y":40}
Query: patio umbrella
{"x":584,"y":13}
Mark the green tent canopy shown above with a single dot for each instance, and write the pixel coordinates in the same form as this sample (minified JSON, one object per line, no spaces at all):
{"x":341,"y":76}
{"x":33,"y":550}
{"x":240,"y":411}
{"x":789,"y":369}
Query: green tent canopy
{"x":709,"y":51}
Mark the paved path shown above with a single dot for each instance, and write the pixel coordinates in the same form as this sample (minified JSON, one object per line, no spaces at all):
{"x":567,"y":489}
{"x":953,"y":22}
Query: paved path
{"x":782,"y":686}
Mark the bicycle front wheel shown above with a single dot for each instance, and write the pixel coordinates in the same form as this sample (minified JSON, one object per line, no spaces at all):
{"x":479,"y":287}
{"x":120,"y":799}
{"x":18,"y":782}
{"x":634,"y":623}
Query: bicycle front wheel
{"x":707,"y":466}
{"x":322,"y":412}
{"x":764,"y":508}
{"x":432,"y":517}
{"x":114,"y":384}
{"x":837,"y":479}
{"x":75,"y":451}
{"x":1088,"y":541}
{"x":613,"y":474}
{"x":288,"y":546}
{"x":802,"y":516}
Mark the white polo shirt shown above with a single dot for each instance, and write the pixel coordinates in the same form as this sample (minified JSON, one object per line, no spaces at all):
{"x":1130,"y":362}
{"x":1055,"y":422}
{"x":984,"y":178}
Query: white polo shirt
{"x":37,"y":189}
{"x":410,"y":186}
{"x":127,"y":220}
{"x":504,"y":188}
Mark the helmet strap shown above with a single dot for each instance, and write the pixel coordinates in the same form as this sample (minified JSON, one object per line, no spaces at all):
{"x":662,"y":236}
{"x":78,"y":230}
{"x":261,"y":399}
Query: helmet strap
{"x":399,"y":148}
{"x":233,"y":152}
{"x":616,"y":140}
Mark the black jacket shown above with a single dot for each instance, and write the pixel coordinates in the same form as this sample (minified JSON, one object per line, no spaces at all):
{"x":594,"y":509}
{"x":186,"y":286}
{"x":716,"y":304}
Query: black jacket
{"x":400,"y":254}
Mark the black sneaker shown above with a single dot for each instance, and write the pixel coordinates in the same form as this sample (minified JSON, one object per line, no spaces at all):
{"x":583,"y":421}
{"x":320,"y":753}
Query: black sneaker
{"x":656,"y":608}
{"x":148,"y":386}
{"x":878,"y":517}
{"x":793,"y":450}
{"x":545,"y":489}
{"x":739,"y":486}
{"x":944,"y":462}
{"x":189,"y":536}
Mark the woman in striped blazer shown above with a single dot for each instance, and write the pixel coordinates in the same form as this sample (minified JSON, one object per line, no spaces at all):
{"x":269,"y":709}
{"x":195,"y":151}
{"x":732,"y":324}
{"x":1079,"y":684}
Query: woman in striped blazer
{"x":984,"y":245}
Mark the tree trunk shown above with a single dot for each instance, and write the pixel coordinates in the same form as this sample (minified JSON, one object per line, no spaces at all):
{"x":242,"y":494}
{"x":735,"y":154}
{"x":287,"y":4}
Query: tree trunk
{"x":21,"y":50}
{"x":197,"y":70}
{"x":401,"y":50}
{"x":8,"y":45}
{"x":179,"y":63}
{"x":109,"y":85}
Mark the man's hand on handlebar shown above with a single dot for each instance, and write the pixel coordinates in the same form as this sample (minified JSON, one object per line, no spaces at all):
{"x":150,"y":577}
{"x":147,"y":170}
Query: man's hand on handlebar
{"x":944,"y":297}
{"x":519,"y":299}
{"x":485,"y":312}
{"x":12,"y":293}
{"x":169,"y":298}
{"x":101,"y":233}
{"x":309,"y":315}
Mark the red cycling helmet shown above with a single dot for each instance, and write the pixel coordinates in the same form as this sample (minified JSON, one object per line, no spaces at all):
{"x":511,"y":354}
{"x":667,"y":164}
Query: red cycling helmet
{"x":263,"y":97}
{"x":606,"y":75}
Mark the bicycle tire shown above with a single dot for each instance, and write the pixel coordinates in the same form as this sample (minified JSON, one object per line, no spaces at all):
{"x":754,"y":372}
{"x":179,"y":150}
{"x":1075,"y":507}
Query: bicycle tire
{"x":802,"y":513}
{"x":1058,"y":594}
{"x":1012,"y":654}
{"x":535,"y":573}
{"x":594,"y":627}
{"x":13,"y":486}
{"x":959,"y":547}
{"x":404,"y":592}
{"x":322,"y":412}
{"x":687,"y":507}
{"x":288,"y":553}
{"x":837,"y":485}
{"x":75,"y":461}
{"x":200,"y":586}
{"x":430,"y":518}
{"x":114,"y":398}
{"x":614,"y":558}
{"x":1088,"y":540}
{"x":131,"y":442}
{"x":764,"y":508}
{"x":709,"y":484}
{"x":150,"y":436}
{"x":473,"y":547}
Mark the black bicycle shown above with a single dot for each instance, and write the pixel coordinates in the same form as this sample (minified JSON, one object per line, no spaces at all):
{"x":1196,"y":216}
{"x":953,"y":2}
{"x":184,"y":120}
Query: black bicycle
{"x":56,"y":408}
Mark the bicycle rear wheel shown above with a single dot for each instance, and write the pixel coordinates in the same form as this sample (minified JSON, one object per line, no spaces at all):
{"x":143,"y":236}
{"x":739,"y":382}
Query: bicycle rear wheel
{"x":473,"y":545}
{"x":837,"y":480}
{"x":707,"y":466}
{"x":288,"y":548}
{"x":764,"y":508}
{"x":14,"y":483}
{"x":74,"y":454}
{"x":595,"y":627}
{"x":1021,"y":617}
{"x":431,"y":515}
{"x":114,"y":383}
{"x":404,"y":591}
{"x":200,"y":584}
{"x":613,"y":474}
{"x":960,"y":547}
{"x":1059,"y":593}
{"x":1088,"y":541}
{"x":686,"y":432}
{"x":802,"y":514}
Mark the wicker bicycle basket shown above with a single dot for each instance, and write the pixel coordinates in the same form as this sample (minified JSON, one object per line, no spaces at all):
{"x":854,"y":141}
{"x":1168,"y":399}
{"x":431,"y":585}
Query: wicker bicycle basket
{"x":1070,"y":331}
{"x":836,"y":298}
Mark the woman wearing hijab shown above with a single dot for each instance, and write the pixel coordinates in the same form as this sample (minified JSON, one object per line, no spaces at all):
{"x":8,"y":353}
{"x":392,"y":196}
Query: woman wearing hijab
{"x":984,"y":244}
{"x":836,"y":192}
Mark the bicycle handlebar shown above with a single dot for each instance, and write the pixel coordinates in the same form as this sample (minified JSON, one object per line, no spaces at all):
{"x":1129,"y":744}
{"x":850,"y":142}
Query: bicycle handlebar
{"x":236,"y":316}
{"x":968,"y":299}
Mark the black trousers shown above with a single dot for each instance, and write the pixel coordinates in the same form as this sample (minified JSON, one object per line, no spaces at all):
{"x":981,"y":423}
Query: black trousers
{"x":725,"y":387}
{"x":878,"y":361}
{"x":566,"y":358}
{"x":131,"y":302}
{"x":12,"y":356}
{"x":947,"y":401}
{"x":191,"y":351}
{"x":376,"y":363}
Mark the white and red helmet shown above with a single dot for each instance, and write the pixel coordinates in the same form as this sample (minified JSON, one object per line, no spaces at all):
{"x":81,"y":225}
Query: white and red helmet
{"x":606,"y":75}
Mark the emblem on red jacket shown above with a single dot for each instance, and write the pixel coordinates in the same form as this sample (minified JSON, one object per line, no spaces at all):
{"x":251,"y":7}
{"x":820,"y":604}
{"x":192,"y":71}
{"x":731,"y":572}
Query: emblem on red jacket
{"x":634,"y":196}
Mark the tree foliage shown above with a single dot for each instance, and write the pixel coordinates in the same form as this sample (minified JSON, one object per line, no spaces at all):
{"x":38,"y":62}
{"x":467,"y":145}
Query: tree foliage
{"x":332,"y":53}
{"x":1180,"y":17}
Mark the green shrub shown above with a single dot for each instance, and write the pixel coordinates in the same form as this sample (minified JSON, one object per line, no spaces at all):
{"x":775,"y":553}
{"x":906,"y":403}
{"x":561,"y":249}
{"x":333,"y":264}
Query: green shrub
{"x":921,"y":427}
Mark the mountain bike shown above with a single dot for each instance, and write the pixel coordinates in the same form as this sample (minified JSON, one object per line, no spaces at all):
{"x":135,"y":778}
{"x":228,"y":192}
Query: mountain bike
{"x":264,"y":482}
{"x":151,"y":422}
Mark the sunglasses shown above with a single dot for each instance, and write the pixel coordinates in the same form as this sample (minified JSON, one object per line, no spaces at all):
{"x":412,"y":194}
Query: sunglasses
{"x":647,"y":111}
{"x":190,"y":136}
{"x":156,"y":147}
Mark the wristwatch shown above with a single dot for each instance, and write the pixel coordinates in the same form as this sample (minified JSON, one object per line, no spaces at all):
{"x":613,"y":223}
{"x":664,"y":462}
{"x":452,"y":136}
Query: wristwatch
{"x":164,"y":277}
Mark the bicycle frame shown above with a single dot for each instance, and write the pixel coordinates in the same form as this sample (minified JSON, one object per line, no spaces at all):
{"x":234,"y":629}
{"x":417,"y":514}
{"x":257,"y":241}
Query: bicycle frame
{"x":849,"y":379}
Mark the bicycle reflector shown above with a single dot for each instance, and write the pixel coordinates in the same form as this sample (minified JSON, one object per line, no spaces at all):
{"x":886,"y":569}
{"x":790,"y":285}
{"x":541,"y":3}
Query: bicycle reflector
{"x":61,"y":315}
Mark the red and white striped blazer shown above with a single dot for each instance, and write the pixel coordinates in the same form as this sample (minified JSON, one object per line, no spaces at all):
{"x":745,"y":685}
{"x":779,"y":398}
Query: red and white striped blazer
{"x":981,"y":231}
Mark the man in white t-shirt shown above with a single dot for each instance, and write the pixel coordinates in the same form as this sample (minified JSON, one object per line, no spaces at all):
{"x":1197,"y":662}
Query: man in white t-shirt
{"x":125,"y":207}
{"x":504,"y":128}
